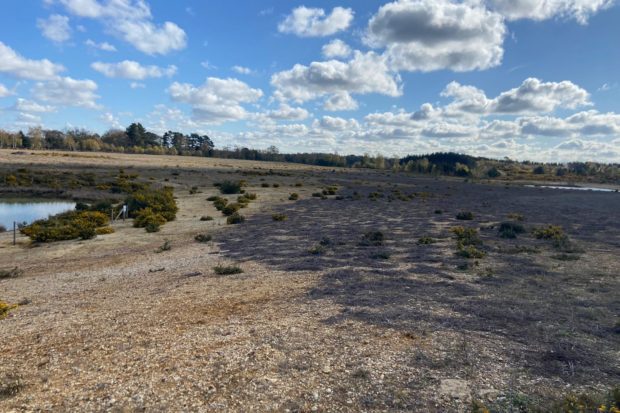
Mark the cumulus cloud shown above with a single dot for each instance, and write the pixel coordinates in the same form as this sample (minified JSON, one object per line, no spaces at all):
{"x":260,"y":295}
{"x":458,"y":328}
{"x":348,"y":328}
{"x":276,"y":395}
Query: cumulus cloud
{"x":340,"y":101}
{"x":131,"y":20}
{"x":331,"y":123}
{"x":217,"y":100}
{"x":105,"y":46}
{"x":286,"y":112}
{"x":365,"y":73}
{"x":129,"y":69}
{"x":336,"y":48}
{"x":310,"y":22}
{"x":55,"y":27}
{"x":66,"y":91}
{"x":426,"y":35}
{"x":16,"y":65}
{"x":29,"y":106}
{"x":532,"y":96}
{"x":580,"y":10}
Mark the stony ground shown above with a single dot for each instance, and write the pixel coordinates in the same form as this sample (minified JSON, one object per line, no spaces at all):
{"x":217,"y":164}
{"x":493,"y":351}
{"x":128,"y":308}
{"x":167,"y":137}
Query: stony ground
{"x":112,"y":325}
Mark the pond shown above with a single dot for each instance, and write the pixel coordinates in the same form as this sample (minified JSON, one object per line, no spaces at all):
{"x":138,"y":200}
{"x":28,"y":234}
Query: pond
{"x":20,"y":210}
{"x":573,"y":188}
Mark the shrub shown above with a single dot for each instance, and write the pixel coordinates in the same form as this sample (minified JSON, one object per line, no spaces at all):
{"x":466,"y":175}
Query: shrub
{"x":466,"y":236}
{"x":148,"y":218}
{"x":193,"y":190}
{"x":330,"y":190}
{"x":465,"y":216}
{"x":539,"y":170}
{"x":66,"y":226}
{"x":317,"y":194}
{"x":438,"y":211}
{"x":493,"y":173}
{"x":294,"y":196}
{"x":160,"y":201}
{"x":278,"y":217}
{"x":12,"y":273}
{"x":276,"y":185}
{"x":510,"y":229}
{"x":470,"y":251}
{"x":5,"y":308}
{"x":426,"y":241}
{"x":152,"y":227}
{"x":213,"y":198}
{"x":166,"y":246}
{"x":264,"y":185}
{"x":298,"y":184}
{"x":203,"y":238}
{"x":515,"y":216}
{"x":230,"y":209}
{"x":227,"y":270}
{"x":317,"y":250}
{"x":372,"y":238}
{"x":206,"y":218}
{"x":549,"y":232}
{"x":235,"y":218}
{"x":230,"y":187}
{"x":104,"y":231}
{"x":220,"y":203}
{"x":381,"y":255}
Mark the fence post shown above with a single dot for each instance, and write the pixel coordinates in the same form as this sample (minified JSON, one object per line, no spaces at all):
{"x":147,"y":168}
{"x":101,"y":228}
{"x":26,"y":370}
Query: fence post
{"x":14,"y":233}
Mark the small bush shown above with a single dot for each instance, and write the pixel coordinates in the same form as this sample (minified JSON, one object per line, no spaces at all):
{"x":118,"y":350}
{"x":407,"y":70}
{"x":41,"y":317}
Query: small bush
{"x":382,"y":255}
{"x":514,"y":216}
{"x":203,"y":238}
{"x":317,"y":250}
{"x":471,"y":252}
{"x":565,"y":257}
{"x":5,"y":308}
{"x":104,"y":231}
{"x":465,"y":216}
{"x":426,"y":241}
{"x":298,"y":184}
{"x":147,"y":218}
{"x":166,"y":246}
{"x":206,"y":218}
{"x":231,"y":209}
{"x":66,"y":226}
{"x":438,"y":211}
{"x":372,"y":239}
{"x":549,"y":232}
{"x":493,"y":173}
{"x":227,"y":270}
{"x":294,"y":196}
{"x":160,"y":201}
{"x":278,"y":217}
{"x":466,"y":236}
{"x":264,"y":185}
{"x":12,"y":273}
{"x":317,"y":194}
{"x":220,"y":203}
{"x":213,"y":198}
{"x":235,"y":218}
{"x":510,"y":229}
{"x":230,"y":187}
{"x":276,"y":185}
{"x":193,"y":190}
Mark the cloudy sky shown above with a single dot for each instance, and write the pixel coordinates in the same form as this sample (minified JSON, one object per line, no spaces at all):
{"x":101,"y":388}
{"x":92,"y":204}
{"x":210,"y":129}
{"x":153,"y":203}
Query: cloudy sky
{"x":527,"y":79}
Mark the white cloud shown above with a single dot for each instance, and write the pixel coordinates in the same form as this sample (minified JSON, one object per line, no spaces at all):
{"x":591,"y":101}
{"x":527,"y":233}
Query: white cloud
{"x":131,"y":20}
{"x":217,"y":100}
{"x":242,"y":70}
{"x":286,"y":112}
{"x":340,"y":101}
{"x":336,"y":48}
{"x":337,"y":124}
{"x":111,"y":120}
{"x":137,"y":85}
{"x":16,"y":65}
{"x":580,"y":10}
{"x":24,"y":105}
{"x":4,"y":92}
{"x":129,"y":69}
{"x":55,"y":27}
{"x":426,"y":35}
{"x":307,"y":22}
{"x":365,"y":73}
{"x":66,"y":91}
{"x":28,"y":119}
{"x":532,"y":96}
{"x":105,"y":46}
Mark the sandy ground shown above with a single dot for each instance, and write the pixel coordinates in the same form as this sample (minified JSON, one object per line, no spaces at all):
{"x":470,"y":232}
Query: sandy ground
{"x":113,"y":325}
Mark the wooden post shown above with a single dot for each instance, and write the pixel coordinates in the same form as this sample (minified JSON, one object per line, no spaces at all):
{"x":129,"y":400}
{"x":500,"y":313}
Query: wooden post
{"x":14,"y":233}
{"x":112,"y":215}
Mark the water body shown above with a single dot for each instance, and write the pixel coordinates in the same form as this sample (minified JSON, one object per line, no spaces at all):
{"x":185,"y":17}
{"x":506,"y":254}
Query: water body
{"x":573,"y":188}
{"x":30,"y":210}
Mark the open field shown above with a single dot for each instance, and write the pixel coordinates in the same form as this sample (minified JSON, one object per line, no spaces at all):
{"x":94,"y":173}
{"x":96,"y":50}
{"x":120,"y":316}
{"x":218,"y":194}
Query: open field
{"x":356,"y":301}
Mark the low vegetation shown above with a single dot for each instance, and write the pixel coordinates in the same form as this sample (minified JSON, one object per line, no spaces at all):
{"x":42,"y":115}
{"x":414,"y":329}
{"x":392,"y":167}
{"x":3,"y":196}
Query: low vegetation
{"x":465,"y":216}
{"x":5,"y":308}
{"x":372,"y":239}
{"x":66,"y":226}
{"x":11,"y":273}
{"x":203,"y":238}
{"x":278,"y":217}
{"x":235,"y":218}
{"x":227,"y":270}
{"x":510,"y":229}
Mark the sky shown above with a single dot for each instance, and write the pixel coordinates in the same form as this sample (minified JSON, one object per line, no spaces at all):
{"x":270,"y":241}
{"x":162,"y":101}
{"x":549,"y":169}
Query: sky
{"x":524,"y":79}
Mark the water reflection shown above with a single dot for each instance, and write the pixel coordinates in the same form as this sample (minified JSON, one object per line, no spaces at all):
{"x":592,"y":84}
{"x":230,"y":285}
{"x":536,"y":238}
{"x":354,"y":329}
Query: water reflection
{"x":28,"y":211}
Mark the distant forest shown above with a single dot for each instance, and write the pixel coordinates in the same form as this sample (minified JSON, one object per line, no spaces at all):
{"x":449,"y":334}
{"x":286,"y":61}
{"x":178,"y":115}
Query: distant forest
{"x":136,"y":139}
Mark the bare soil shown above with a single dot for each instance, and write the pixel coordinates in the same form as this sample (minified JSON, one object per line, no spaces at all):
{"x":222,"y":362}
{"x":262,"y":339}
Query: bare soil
{"x":111,"y":324}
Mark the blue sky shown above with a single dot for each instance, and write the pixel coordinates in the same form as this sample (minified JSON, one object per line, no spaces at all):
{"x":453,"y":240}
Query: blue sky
{"x":527,"y":79}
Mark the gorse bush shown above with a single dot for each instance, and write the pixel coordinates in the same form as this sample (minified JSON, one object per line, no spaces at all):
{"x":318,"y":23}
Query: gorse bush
{"x":227,"y":270}
{"x":466,"y":236}
{"x":549,"y":232}
{"x":203,"y":238}
{"x":510,"y":229}
{"x":5,"y":308}
{"x":230,"y":187}
{"x":230,"y":209}
{"x":220,"y":203}
{"x":148,"y":219}
{"x":278,"y":217}
{"x":426,"y":241}
{"x":235,"y":218}
{"x":66,"y":226}
{"x":293,"y":197}
{"x":206,"y":218}
{"x":160,"y":201}
{"x":465,"y":216}
{"x":470,"y":252}
{"x":372,"y":238}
